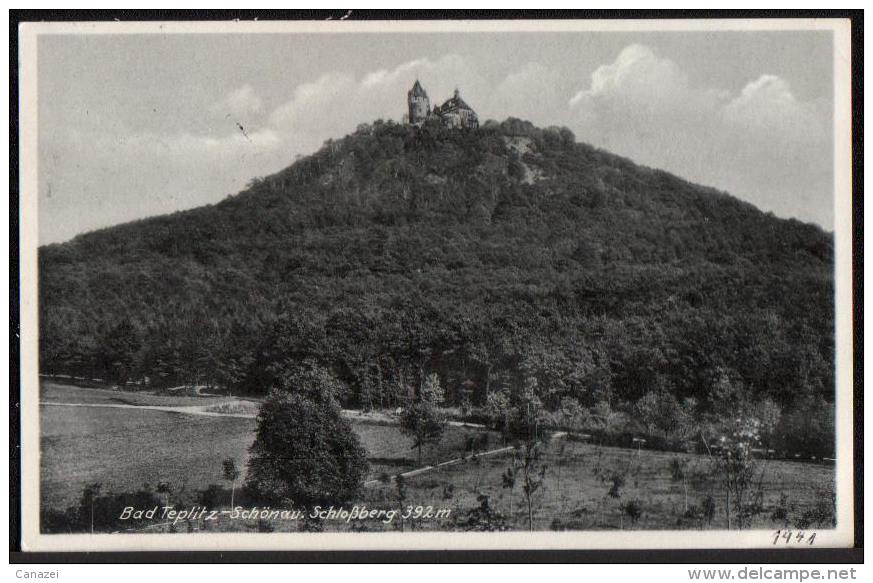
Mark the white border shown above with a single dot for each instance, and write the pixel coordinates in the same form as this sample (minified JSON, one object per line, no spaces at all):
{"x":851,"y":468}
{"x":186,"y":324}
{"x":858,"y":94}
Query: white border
{"x":33,"y":541}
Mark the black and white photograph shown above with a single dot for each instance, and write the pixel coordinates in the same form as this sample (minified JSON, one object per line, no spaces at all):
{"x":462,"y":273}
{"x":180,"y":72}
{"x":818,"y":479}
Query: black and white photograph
{"x":571,"y":284}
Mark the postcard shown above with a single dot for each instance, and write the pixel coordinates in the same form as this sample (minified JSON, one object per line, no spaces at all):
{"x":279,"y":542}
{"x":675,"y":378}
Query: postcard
{"x":519,"y":284}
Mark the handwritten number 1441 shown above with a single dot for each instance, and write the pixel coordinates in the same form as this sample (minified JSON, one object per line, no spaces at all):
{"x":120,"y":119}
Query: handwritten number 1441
{"x":788,"y":537}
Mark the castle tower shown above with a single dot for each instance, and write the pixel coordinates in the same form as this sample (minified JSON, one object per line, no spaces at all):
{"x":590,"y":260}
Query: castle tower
{"x":419,"y":104}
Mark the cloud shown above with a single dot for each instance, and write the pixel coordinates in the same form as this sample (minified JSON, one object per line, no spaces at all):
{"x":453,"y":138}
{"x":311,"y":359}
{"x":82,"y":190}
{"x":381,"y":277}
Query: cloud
{"x":761,"y":143}
{"x":182,"y":147}
{"x":638,"y":76}
{"x":335,"y":103}
{"x":531,"y":93}
{"x":146,"y":172}
{"x":326,"y":107}
{"x":768,"y":104}
{"x":645,"y":87}
{"x":91,"y":178}
{"x":238,"y":103}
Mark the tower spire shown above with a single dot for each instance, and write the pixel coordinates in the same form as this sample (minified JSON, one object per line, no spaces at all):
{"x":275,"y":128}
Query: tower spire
{"x":419,"y":104}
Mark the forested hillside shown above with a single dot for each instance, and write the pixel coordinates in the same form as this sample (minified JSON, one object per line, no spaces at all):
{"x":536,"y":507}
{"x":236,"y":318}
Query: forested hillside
{"x":496,"y":258}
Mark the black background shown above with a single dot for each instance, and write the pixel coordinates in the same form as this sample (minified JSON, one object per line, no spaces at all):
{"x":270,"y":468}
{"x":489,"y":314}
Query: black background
{"x":853,"y":555}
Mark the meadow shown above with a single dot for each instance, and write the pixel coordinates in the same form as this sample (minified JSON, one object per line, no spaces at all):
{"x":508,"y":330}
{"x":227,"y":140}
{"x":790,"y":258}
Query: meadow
{"x":578,"y":491}
{"x":126,"y":448}
{"x":55,"y":392}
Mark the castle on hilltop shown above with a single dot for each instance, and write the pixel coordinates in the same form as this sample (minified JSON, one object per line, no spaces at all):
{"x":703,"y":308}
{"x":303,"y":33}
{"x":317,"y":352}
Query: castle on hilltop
{"x":454,"y":113}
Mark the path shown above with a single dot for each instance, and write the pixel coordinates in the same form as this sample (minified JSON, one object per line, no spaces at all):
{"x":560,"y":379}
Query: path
{"x":202,"y":410}
{"x":189,"y":410}
{"x":426,"y":469}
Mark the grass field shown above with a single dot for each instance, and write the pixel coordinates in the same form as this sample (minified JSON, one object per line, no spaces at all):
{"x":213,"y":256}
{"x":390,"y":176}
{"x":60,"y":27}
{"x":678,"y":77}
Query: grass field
{"x":53,"y":392}
{"x":125,"y":448}
{"x":575,"y":493}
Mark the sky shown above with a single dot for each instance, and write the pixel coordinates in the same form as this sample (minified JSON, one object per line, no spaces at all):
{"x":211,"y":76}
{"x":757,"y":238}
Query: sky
{"x":137,"y":125}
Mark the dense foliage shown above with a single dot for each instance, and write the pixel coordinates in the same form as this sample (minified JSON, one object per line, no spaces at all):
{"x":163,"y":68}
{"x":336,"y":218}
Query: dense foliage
{"x":497,"y":258}
{"x":305,"y":452}
{"x":97,"y":511}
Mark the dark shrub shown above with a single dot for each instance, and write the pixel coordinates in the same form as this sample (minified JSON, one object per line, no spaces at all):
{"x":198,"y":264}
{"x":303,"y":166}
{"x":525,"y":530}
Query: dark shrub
{"x":617,"y":484}
{"x":633,"y":510}
{"x":213,"y":496}
{"x":305,"y":451}
{"x":99,"y":512}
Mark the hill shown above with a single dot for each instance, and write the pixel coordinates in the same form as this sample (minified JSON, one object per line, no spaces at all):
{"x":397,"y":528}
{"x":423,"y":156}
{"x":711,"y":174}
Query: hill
{"x":498,"y":257}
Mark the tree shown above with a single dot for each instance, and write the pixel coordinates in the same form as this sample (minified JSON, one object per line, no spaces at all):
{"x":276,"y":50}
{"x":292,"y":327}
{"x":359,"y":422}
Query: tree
{"x":497,"y":411}
{"x":727,"y":394}
{"x":737,"y":466}
{"x":769,"y":414}
{"x":423,"y":419}
{"x":659,"y":410}
{"x":304,"y":450}
{"x":533,"y":473}
{"x":89,"y":495}
{"x":679,"y":473}
{"x":231,"y":474}
{"x":527,"y":410}
{"x":508,"y":482}
{"x":400,"y":483}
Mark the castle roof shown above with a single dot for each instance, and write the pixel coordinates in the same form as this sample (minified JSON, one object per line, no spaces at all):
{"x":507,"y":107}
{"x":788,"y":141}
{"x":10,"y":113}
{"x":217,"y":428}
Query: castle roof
{"x":417,"y":90}
{"x":454,"y":103}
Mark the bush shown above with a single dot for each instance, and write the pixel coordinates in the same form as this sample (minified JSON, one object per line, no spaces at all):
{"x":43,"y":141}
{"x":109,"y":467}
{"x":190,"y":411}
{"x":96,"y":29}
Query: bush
{"x":481,"y":518}
{"x":305,"y":451}
{"x":633,"y":510}
{"x":213,"y":496}
{"x":98,"y":512}
{"x":617,"y":484}
{"x":823,"y":514}
{"x":780,"y":512}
